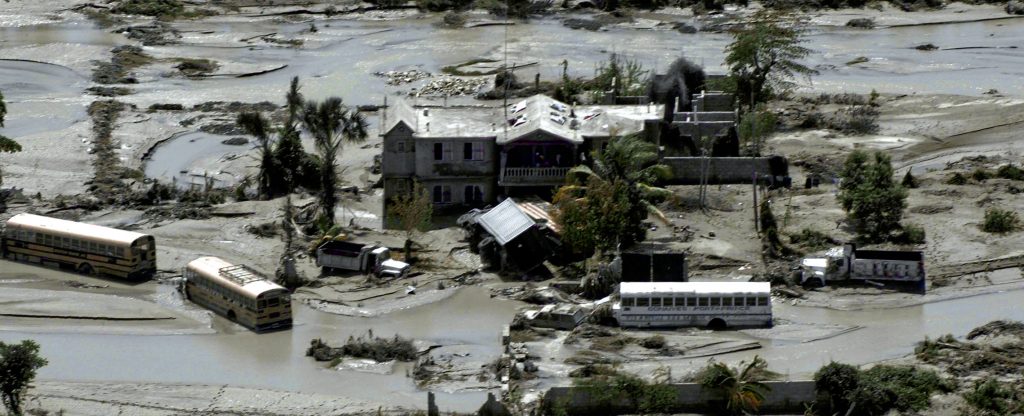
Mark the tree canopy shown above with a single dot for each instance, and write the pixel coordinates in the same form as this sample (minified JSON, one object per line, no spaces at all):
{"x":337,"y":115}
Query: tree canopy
{"x":604,"y":205}
{"x":18,"y":365}
{"x":331,"y":123}
{"x":873,"y":201}
{"x":764,"y":55}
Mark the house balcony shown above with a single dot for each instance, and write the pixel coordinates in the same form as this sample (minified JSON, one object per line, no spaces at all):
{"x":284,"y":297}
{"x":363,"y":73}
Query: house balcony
{"x":533,"y":176}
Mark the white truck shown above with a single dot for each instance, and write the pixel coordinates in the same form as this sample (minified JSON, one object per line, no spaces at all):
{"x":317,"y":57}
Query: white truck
{"x":849,"y":263}
{"x":366,"y":258}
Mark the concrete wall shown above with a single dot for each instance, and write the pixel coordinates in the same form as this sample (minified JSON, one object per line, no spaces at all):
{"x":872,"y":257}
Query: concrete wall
{"x":457,"y":165}
{"x":399,"y":154}
{"x":726,"y":170}
{"x":785,"y":397}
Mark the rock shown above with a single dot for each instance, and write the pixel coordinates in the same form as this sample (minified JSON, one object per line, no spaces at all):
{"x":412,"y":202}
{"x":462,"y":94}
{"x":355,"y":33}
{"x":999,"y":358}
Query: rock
{"x":684,"y":28}
{"x":1015,"y":7}
{"x":926,"y":47}
{"x":236,"y":141}
{"x":861,"y":23}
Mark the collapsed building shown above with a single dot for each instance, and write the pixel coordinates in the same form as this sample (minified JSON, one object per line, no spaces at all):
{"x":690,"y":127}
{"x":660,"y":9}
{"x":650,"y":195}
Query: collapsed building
{"x":512,"y":237}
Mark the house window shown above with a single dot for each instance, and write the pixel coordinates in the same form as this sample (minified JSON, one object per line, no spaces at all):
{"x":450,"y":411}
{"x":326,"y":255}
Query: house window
{"x":473,"y":151}
{"x":473,"y":194}
{"x":442,"y":194}
{"x":400,"y":147}
{"x":442,"y":151}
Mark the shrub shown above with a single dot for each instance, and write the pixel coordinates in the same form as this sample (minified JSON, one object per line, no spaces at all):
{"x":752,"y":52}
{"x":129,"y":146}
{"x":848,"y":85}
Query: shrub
{"x":1010,"y":172}
{"x":912,"y":234}
{"x":1000,"y":221}
{"x":379,"y":349}
{"x":990,"y":397}
{"x":909,"y":181}
{"x":656,"y":342}
{"x":162,"y":8}
{"x":956,"y":179}
{"x":981,"y":175}
{"x":812,"y":239}
{"x":910,"y":387}
{"x":836,"y":381}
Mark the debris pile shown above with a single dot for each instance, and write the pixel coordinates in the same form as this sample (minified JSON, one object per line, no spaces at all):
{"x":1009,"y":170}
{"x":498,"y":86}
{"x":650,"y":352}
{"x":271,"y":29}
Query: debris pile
{"x":451,"y":86}
{"x":402,"y":77}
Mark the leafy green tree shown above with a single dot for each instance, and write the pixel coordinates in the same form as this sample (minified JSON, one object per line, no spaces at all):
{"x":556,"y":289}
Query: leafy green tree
{"x":837,"y":381}
{"x":6,"y":145}
{"x":764,"y":55}
{"x":331,"y":123}
{"x":743,"y":389}
{"x":604,"y":205}
{"x":18,"y":365}
{"x":870,"y":196}
{"x":755,"y":126}
{"x":412,"y":212}
{"x":257,"y":126}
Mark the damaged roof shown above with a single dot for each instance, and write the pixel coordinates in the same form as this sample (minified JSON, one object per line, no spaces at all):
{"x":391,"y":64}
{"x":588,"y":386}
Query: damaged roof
{"x":506,"y":221}
{"x":535,"y":114}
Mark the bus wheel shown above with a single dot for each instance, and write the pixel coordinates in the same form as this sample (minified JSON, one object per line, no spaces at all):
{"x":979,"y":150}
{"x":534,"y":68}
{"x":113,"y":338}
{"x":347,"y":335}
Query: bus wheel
{"x":231,"y":316}
{"x":86,"y":269}
{"x":717,"y":323}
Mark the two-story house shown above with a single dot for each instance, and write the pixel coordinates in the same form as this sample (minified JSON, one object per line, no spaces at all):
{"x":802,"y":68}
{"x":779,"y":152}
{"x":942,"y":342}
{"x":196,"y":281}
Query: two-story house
{"x":469,"y":156}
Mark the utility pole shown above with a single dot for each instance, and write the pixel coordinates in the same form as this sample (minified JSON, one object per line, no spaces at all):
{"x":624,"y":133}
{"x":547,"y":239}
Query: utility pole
{"x":757,"y":222}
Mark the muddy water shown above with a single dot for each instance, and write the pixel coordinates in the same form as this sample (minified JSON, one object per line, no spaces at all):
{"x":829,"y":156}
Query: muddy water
{"x":175,"y":160}
{"x":277,"y":360}
{"x":886,"y":334}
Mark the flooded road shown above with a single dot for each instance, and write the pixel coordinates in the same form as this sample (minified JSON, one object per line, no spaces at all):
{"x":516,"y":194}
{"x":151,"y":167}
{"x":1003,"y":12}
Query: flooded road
{"x":277,"y":360}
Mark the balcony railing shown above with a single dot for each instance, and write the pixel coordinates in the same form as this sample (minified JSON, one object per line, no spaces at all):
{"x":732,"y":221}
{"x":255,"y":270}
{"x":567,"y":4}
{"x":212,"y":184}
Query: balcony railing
{"x":533,"y":176}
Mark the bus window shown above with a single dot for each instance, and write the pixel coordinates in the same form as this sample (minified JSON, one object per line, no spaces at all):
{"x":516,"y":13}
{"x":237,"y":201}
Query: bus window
{"x":751,"y":301}
{"x":120,"y":252}
{"x":272,"y":302}
{"x":716,"y":301}
{"x":627,"y":302}
{"x":762,"y":301}
{"x":737,"y":301}
{"x":642,"y":301}
{"x":655,"y":301}
{"x":691,"y":301}
{"x":703,"y":301}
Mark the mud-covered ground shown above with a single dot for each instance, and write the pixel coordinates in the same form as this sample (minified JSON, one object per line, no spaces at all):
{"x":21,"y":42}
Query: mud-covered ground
{"x":922,"y":127}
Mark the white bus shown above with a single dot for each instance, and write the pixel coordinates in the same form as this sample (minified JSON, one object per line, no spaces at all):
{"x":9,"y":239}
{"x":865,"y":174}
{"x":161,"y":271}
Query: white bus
{"x":86,"y":248}
{"x":705,"y":304}
{"x":238,"y":293}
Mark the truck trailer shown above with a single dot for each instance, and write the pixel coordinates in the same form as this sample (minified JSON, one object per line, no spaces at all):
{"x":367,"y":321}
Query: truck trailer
{"x":849,"y":263}
{"x":366,"y":258}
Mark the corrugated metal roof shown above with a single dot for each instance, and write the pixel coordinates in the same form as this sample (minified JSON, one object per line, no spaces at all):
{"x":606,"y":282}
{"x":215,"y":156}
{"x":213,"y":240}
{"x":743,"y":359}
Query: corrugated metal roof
{"x":506,"y":221}
{"x":539,"y":211}
{"x":639,"y":288}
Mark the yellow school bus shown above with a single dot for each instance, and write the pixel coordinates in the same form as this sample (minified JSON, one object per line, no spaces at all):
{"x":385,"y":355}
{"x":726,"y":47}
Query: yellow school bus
{"x":86,"y":248}
{"x":238,"y":293}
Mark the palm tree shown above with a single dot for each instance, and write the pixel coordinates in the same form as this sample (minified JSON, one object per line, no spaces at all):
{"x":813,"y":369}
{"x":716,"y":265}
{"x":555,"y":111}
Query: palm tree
{"x":743,"y":391}
{"x":289,"y":154}
{"x":257,"y":126}
{"x":623,"y":173}
{"x":331,"y":123}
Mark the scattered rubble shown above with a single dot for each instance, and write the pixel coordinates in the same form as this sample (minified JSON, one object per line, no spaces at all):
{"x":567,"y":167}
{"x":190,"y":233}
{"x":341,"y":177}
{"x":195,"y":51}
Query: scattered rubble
{"x":402,"y":77}
{"x":451,"y":86}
